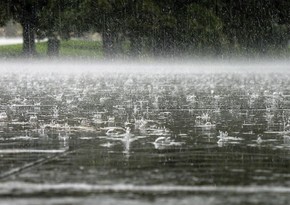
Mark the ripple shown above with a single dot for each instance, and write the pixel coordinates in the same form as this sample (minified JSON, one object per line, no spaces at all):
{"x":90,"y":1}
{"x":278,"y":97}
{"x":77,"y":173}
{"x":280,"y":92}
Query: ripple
{"x":16,"y":151}
{"x":23,"y":138}
{"x":85,"y":138}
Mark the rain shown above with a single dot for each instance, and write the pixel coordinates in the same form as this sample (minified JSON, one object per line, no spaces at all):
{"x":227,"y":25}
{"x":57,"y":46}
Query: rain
{"x":144,"y":102}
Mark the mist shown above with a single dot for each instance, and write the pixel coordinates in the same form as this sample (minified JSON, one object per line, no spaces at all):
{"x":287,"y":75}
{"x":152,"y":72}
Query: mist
{"x":161,"y":66}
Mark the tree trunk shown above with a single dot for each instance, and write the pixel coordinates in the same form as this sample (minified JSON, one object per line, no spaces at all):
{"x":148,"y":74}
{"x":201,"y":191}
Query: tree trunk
{"x":53,"y":45}
{"x":28,"y":39}
{"x":108,"y":44}
{"x":28,"y":22}
{"x":136,"y":46}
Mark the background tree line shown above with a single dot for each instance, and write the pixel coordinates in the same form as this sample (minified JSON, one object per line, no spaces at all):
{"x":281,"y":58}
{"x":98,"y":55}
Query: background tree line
{"x":162,"y":28}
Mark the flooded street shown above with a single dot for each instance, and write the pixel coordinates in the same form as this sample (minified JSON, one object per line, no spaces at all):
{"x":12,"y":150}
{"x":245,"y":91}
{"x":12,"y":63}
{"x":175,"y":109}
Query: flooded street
{"x":139,"y":138}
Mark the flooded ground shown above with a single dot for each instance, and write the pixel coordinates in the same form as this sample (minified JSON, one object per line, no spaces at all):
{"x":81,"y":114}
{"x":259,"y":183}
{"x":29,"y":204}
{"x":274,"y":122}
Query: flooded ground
{"x":132,"y":138}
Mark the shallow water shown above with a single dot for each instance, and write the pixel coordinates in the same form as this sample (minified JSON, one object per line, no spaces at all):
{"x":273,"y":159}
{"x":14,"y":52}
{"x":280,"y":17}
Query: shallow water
{"x":61,"y":156}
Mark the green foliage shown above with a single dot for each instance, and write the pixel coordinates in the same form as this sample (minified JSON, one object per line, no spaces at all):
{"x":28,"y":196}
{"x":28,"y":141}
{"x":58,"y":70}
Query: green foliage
{"x":203,"y":30}
{"x":161,"y":27}
{"x":255,"y":26}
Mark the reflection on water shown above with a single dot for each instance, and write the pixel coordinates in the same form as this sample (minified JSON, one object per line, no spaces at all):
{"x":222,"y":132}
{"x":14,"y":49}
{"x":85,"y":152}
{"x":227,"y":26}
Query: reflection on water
{"x":223,"y":133}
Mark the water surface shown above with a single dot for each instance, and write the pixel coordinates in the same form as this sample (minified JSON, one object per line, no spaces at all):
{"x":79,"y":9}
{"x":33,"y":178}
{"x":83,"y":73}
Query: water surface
{"x":54,"y":149}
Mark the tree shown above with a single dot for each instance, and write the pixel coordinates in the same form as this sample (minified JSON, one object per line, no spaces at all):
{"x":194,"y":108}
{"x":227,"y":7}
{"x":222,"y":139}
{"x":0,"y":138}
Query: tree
{"x":141,"y":24}
{"x":157,"y":27}
{"x":107,"y":18}
{"x":3,"y":14}
{"x":202,"y":30}
{"x":255,"y":27}
{"x":164,"y":37}
{"x":52,"y":19}
{"x":25,"y":12}
{"x":60,"y":19}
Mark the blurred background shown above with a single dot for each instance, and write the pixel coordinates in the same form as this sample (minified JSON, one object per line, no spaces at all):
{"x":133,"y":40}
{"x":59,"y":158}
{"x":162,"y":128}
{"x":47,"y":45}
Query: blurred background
{"x":145,"y":28}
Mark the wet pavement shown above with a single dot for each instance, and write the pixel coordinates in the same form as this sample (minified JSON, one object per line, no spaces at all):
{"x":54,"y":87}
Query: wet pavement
{"x":61,"y":155}
{"x":100,"y":168}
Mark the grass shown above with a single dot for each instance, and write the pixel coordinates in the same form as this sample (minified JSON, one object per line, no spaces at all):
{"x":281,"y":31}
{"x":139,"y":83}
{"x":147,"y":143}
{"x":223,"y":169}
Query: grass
{"x":10,"y":50}
{"x":76,"y":49}
{"x":68,"y":49}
